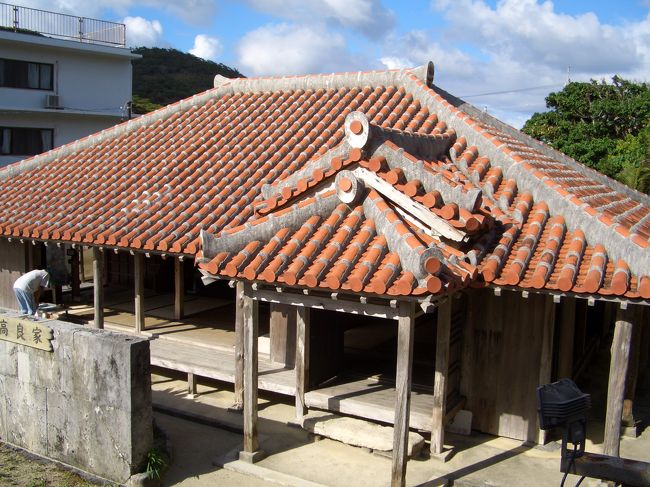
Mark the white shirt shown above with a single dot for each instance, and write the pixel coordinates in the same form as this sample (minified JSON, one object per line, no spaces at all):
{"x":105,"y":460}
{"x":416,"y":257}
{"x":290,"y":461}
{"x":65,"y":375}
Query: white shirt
{"x":31,"y":281}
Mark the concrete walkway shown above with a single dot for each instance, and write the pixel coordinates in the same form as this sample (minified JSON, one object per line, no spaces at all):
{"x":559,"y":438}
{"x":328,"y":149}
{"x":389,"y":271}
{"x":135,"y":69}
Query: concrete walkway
{"x":295,"y":458}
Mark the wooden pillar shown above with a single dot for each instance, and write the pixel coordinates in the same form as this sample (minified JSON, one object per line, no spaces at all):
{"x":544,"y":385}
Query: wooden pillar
{"x":631,"y":380}
{"x":282,"y":331}
{"x":57,"y":294}
{"x":302,"y":359}
{"x":30,"y":261}
{"x":74,"y":271}
{"x":440,"y":380}
{"x":138,"y":273}
{"x":546,"y":354}
{"x":619,"y":365}
{"x":580,"y":336}
{"x":251,"y":452}
{"x":179,"y":288}
{"x":405,"y":332}
{"x":239,"y":346}
{"x":191,"y":385}
{"x":567,"y":310}
{"x":98,"y":284}
{"x":644,"y":353}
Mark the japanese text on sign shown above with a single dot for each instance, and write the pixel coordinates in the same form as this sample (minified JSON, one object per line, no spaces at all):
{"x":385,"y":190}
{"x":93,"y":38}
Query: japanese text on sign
{"x":26,"y":332}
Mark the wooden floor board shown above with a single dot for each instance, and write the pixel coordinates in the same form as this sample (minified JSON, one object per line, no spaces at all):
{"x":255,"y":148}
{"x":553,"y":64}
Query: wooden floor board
{"x":218,"y":364}
{"x":371,"y":399}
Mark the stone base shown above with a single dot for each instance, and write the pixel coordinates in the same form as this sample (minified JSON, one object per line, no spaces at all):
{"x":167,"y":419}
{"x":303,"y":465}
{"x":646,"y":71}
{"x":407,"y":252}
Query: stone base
{"x":360,"y":433}
{"x":630,"y":431}
{"x":236,"y":408}
{"x":252,"y":457}
{"x":443,"y":456}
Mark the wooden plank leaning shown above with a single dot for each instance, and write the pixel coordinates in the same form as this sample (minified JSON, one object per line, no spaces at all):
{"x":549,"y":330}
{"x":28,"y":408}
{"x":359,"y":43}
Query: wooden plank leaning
{"x":617,"y":375}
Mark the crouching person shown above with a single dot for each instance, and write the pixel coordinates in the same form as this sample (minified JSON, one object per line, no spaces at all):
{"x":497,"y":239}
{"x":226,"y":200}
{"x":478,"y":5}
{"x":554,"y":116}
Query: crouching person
{"x":28,"y":289}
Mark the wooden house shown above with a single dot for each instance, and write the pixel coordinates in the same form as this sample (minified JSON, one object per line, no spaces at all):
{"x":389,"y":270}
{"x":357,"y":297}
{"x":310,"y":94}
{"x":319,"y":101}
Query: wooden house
{"x":360,"y":206}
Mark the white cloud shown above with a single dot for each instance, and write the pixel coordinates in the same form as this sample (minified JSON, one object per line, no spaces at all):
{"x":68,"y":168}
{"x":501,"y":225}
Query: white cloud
{"x":522,"y":48}
{"x":396,"y":62}
{"x":534,"y":33}
{"x":369,"y":17}
{"x":283,"y":49}
{"x":416,"y":48}
{"x":206,"y":47}
{"x":143,"y":32}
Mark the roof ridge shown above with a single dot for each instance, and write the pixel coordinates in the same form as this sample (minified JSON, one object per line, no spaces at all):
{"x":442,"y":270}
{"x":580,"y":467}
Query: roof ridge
{"x":332,"y":80}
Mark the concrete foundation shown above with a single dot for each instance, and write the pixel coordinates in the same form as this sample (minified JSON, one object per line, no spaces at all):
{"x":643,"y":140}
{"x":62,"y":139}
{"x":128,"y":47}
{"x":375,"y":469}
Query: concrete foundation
{"x":86,"y":404}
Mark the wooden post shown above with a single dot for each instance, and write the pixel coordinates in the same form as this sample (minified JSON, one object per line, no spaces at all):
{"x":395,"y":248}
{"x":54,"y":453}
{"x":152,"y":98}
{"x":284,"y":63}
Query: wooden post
{"x":282,"y":331}
{"x":567,"y":310}
{"x":239,"y":346}
{"x":302,"y":359}
{"x":579,"y":339}
{"x":405,"y":332}
{"x":179,"y":288}
{"x":440,"y":380}
{"x":138,"y":273}
{"x":632,"y":374}
{"x":74,"y":271}
{"x":98,"y":284}
{"x":617,"y":372}
{"x":251,"y":451}
{"x":191,"y":385}
{"x":546,"y":355}
{"x":644,"y":347}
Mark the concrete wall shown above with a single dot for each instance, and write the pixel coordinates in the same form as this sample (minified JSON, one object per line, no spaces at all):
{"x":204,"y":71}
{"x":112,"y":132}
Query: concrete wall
{"x":86,"y":77}
{"x":66,"y":127}
{"x":93,"y":83}
{"x":86,"y":404}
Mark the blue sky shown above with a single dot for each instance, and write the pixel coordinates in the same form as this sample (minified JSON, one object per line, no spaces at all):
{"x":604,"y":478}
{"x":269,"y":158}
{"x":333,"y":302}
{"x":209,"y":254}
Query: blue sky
{"x":503,"y":56}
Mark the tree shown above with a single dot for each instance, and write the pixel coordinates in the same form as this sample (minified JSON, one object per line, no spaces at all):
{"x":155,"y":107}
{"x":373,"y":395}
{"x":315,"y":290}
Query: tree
{"x":144,"y":105}
{"x":597,"y":123}
{"x":164,"y":76}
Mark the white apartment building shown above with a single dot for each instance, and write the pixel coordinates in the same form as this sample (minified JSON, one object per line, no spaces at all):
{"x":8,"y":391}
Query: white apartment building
{"x":61,"y":78}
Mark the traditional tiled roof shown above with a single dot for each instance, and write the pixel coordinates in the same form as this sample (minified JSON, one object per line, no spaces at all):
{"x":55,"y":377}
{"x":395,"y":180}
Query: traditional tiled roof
{"x":372,"y":182}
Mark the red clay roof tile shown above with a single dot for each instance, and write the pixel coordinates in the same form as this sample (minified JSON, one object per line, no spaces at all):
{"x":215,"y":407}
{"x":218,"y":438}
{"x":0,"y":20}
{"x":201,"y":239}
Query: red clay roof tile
{"x":154,"y":183}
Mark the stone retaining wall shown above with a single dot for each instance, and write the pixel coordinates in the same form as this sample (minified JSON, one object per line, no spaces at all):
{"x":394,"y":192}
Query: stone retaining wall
{"x":87,"y":403}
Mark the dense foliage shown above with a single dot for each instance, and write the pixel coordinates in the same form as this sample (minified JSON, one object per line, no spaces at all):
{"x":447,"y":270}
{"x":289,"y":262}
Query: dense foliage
{"x":603,"y":125}
{"x":163,"y":76}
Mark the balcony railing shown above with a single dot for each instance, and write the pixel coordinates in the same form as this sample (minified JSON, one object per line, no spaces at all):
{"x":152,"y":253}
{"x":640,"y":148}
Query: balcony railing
{"x":62,"y":26}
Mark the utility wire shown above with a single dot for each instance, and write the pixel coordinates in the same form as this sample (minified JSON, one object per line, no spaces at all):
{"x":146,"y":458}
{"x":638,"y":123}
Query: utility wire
{"x":513,"y":91}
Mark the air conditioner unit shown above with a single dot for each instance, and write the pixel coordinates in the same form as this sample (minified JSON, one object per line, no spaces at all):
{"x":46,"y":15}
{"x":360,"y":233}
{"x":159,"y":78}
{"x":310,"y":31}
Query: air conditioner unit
{"x":53,"y":101}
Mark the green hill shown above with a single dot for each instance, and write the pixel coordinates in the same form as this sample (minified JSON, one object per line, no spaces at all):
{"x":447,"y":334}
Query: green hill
{"x":163,"y":76}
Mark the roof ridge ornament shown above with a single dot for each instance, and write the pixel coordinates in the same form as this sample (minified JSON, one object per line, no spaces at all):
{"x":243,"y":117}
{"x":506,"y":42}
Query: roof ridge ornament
{"x":424,"y":73}
{"x":361,"y":133}
{"x":220,"y":80}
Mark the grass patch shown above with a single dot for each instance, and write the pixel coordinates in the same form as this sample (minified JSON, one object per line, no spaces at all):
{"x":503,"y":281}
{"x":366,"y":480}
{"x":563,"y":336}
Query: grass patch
{"x":18,"y":470}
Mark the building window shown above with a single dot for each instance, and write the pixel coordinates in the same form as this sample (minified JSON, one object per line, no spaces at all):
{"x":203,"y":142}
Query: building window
{"x":24,"y":74}
{"x":19,"y":141}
